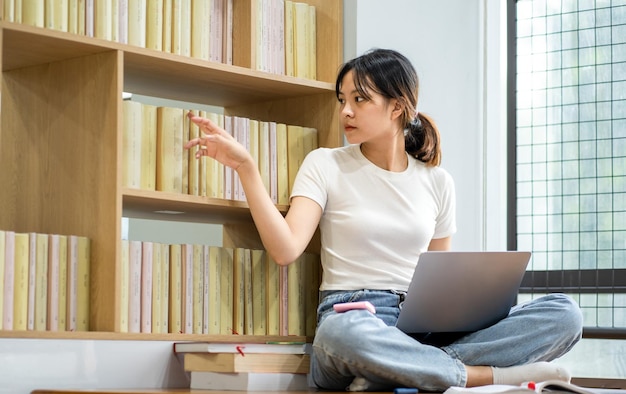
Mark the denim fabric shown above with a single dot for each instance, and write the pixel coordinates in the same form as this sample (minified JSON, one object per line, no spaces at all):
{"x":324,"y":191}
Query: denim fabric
{"x":357,"y":343}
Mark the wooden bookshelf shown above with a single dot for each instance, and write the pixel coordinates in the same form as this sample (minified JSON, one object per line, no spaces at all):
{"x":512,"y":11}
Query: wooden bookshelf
{"x":61,"y":138}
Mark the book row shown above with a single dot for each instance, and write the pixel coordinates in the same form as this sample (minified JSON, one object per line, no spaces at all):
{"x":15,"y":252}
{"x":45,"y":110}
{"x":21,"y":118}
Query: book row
{"x":284,"y":36}
{"x":202,"y":289}
{"x":154,"y":157}
{"x":44,"y":281}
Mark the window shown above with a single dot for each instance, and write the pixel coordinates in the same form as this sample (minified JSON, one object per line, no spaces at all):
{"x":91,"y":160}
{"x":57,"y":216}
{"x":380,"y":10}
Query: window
{"x":568,"y":153}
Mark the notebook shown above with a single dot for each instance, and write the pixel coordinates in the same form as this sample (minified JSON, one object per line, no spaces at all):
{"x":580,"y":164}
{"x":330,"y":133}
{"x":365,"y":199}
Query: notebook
{"x":461,"y":291}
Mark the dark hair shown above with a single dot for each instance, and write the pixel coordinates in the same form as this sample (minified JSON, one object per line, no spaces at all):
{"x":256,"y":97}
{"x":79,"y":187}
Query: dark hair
{"x":391,"y":74}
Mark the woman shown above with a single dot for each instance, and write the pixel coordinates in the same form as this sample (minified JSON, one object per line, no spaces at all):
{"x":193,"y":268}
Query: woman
{"x":379,"y":202}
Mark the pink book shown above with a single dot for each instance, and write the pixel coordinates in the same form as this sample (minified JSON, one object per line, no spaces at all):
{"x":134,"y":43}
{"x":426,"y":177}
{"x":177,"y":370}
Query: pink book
{"x":146,"y":286}
{"x":32,"y":263}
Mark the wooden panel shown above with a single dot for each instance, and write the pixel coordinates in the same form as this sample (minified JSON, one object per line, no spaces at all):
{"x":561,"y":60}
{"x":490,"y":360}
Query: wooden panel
{"x":59,"y":155}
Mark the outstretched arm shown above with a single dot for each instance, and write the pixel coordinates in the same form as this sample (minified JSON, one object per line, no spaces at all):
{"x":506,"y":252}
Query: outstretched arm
{"x":284,"y":238}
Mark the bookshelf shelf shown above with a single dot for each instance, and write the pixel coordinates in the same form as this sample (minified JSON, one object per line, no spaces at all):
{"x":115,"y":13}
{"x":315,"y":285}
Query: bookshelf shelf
{"x":61,"y":136}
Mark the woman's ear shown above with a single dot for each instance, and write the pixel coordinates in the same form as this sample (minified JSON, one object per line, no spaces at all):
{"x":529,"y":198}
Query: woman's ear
{"x":397,"y":109}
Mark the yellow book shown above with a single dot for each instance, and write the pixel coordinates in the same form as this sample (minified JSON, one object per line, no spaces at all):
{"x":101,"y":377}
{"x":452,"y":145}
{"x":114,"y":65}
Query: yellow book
{"x":176,"y":290}
{"x":169,"y":150}
{"x":272,"y":289}
{"x":282,"y":164}
{"x":56,"y":14}
{"x":137,"y":23}
{"x":248,"y":317}
{"x":295,"y":152}
{"x":213,"y":299}
{"x":251,"y":362}
{"x":53,"y":283}
{"x":312,"y":42}
{"x":200,"y":34}
{"x":238,"y":290}
{"x":165,"y":287}
{"x":33,"y":13}
{"x":214,"y":169}
{"x":114,"y":21}
{"x":8,"y":280}
{"x":8,"y":14}
{"x":82,"y":17}
{"x":102,"y":17}
{"x":124,"y":285}
{"x":20,"y":284}
{"x":157,"y":288}
{"x":194,"y":164}
{"x":226,"y":291}
{"x":132,"y":144}
{"x":62,"y":324}
{"x":259,"y":296}
{"x":2,"y":268}
{"x":134,"y":286}
{"x":168,"y":24}
{"x":296,"y":297}
{"x":185,"y":160}
{"x":198,"y":288}
{"x":301,"y":36}
{"x":181,"y":33}
{"x":72,"y":16}
{"x":148,"y":147}
{"x":41,"y":283}
{"x":289,"y":37}
{"x":154,"y":25}
{"x":83,"y":285}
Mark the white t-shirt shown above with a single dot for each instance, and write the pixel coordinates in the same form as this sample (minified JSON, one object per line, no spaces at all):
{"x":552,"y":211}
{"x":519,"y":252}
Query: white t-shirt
{"x":375,"y":223}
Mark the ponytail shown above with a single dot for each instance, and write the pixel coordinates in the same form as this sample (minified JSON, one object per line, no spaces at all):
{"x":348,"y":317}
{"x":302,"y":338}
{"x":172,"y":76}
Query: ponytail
{"x":422,"y":140}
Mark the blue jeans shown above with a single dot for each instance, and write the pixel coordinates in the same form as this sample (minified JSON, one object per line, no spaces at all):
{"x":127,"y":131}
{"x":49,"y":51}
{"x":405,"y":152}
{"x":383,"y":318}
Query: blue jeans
{"x":359,"y":344}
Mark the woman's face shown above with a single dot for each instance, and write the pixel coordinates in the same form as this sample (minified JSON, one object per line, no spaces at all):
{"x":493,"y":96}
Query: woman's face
{"x":365,"y":120}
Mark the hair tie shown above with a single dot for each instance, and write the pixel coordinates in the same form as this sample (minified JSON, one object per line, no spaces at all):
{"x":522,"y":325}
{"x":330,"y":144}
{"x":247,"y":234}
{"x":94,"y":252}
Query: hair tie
{"x":416,"y":123}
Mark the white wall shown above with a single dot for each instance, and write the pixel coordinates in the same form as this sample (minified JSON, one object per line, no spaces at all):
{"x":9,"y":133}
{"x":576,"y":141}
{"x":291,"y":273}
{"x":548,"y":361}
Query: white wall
{"x":444,"y":41}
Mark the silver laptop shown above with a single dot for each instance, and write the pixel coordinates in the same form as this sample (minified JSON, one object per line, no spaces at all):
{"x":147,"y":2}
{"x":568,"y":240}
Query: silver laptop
{"x":461,"y":291}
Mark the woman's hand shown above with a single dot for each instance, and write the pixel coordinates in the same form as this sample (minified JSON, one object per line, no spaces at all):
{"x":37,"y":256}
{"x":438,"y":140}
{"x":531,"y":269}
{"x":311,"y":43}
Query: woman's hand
{"x":216,"y":143}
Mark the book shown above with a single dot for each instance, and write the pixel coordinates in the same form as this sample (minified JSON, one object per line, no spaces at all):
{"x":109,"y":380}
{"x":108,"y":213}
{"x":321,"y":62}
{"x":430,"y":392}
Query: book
{"x":134,"y":286}
{"x":214,"y":282}
{"x":124,"y":284}
{"x":249,"y":381}
{"x":252,"y":362}
{"x":154,"y":25}
{"x":148,"y":144}
{"x":226,"y":291}
{"x":62,"y":299}
{"x":9,"y":273}
{"x":137,"y":23}
{"x":20,"y":284}
{"x":241,"y":347}
{"x":170,"y":137}
{"x":176,"y":290}
{"x":83,"y":285}
{"x":259,"y":302}
{"x":146,"y":286}
{"x":131,"y":145}
{"x":53,"y":282}
{"x":41,"y":282}
{"x":525,"y":388}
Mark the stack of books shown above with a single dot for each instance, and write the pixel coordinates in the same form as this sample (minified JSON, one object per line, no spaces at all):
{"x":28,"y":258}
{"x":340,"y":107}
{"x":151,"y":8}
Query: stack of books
{"x":245,"y":366}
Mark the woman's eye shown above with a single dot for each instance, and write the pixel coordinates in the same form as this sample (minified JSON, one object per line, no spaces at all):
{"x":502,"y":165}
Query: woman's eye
{"x":358,"y":99}
{"x":341,"y":101}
